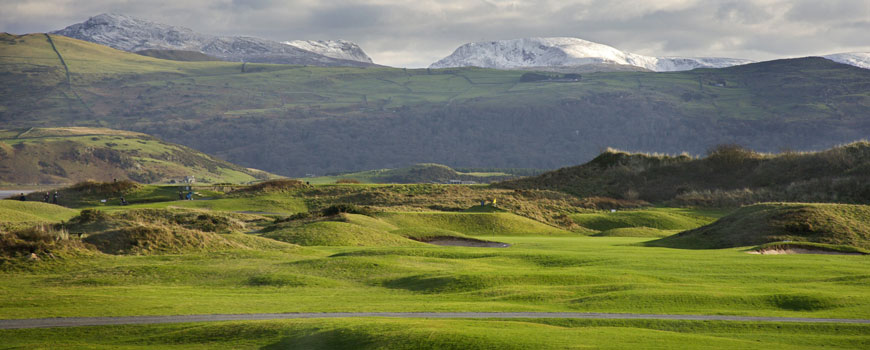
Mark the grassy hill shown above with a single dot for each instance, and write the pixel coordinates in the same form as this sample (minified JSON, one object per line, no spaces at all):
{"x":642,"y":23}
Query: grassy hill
{"x":178,"y":55}
{"x":829,"y":224}
{"x":297,"y":120}
{"x":729,"y":176}
{"x":14,"y":211}
{"x":74,"y":154}
{"x":424,"y":173}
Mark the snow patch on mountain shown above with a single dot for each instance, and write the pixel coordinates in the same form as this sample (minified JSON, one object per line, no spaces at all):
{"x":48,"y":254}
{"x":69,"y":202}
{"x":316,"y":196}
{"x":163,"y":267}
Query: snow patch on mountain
{"x":564,"y":51}
{"x":857,"y":59}
{"x":341,"y":49}
{"x":134,"y":34}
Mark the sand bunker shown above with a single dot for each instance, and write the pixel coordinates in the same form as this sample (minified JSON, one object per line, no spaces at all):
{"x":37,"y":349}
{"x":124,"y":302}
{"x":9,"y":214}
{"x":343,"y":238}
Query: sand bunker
{"x":779,"y":251}
{"x":465,"y":242}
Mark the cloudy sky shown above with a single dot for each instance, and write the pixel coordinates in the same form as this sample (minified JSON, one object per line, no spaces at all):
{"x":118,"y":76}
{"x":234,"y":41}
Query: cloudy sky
{"x":417,"y":33}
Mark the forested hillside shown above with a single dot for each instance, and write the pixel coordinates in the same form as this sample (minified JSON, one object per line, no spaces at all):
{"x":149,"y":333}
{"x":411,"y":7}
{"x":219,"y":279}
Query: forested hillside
{"x":297,"y":120}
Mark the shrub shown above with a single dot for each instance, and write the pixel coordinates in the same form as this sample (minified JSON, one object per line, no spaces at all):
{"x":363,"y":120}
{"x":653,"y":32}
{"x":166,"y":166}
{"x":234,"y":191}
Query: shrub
{"x":274,"y":185}
{"x":345,"y":208}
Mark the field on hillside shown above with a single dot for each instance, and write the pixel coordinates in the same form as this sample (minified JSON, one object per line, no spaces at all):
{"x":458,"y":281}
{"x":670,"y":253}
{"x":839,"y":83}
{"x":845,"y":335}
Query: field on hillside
{"x":70,"y":155}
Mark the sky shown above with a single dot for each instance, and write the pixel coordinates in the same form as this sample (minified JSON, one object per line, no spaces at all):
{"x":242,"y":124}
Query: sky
{"x":417,"y":33}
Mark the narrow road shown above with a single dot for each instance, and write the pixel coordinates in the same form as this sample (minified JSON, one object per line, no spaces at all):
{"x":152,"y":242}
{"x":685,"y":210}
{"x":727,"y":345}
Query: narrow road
{"x":126,"y":320}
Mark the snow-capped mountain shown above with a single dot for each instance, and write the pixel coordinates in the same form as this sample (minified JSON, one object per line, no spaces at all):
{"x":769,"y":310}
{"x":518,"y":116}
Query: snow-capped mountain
{"x":341,"y":49}
{"x":134,"y":34}
{"x":550,"y":52}
{"x":857,"y":59}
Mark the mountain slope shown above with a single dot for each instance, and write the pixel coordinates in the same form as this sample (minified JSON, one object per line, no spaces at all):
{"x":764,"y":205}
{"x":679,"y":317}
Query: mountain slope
{"x":561,"y":51}
{"x":177,"y":55}
{"x":302,"y":120}
{"x":857,"y":59}
{"x":66,"y":155}
{"x":135,"y":34}
{"x":341,"y":49}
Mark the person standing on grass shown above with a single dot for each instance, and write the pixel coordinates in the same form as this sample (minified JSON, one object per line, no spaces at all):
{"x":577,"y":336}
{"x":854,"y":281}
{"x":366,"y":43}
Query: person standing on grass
{"x":22,"y":198}
{"x":45,"y":197}
{"x":54,"y":199}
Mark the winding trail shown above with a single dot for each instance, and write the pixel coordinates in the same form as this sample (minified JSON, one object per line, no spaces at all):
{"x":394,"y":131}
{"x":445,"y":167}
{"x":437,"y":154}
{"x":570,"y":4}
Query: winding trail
{"x":128,"y":320}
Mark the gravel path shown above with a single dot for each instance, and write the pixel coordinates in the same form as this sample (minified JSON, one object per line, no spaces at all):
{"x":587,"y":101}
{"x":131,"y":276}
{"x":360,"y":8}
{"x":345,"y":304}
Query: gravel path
{"x":104,"y":321}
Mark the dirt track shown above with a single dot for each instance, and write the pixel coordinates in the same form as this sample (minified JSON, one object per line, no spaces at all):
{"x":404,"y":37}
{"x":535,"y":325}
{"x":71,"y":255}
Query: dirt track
{"x":104,"y":321}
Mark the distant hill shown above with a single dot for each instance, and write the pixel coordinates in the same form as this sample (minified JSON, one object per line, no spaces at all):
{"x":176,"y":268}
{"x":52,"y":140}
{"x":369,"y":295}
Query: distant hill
{"x":178,"y":55}
{"x":426,"y":173}
{"x":297,"y":120}
{"x":728,"y":176}
{"x":67,"y":155}
{"x":831,"y":224}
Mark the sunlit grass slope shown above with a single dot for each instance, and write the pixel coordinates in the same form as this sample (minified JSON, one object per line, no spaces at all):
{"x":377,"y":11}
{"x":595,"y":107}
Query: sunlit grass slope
{"x":18,"y":211}
{"x":414,"y":334}
{"x":833,"y":224}
{"x":474,"y":224}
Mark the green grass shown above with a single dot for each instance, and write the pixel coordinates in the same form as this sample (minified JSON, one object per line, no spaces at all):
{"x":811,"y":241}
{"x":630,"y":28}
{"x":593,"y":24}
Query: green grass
{"x":833,"y":224}
{"x":281,"y":204}
{"x":334,"y":233}
{"x":583,"y":274}
{"x":635,"y":232}
{"x":419,"y":173}
{"x":381,"y":333}
{"x":473,"y":224}
{"x":655,"y":218}
{"x":18,"y":211}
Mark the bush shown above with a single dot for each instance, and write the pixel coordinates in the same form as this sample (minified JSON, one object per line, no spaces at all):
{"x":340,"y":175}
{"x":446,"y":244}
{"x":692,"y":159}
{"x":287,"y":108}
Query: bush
{"x":274,"y":185}
{"x":104,"y":187}
{"x":345,"y":208}
{"x":532,"y":77}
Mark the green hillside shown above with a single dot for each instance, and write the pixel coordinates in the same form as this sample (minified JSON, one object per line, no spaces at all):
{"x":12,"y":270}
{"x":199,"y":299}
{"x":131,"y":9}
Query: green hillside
{"x":178,"y":55}
{"x":74,"y":154}
{"x":829,"y":224}
{"x":297,"y":120}
{"x":728,"y":176}
{"x":422,"y":173}
{"x":14,"y":211}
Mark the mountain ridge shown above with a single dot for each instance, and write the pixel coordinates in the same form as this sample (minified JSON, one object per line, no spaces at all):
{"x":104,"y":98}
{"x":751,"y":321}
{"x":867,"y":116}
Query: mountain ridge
{"x":559,"y":52}
{"x":567,"y":51}
{"x":132,"y":34}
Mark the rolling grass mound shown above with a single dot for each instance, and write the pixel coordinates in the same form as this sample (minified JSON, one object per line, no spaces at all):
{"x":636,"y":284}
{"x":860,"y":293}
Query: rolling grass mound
{"x":154,"y":239}
{"x":661,"y":219}
{"x":18,"y":211}
{"x":473,"y":224}
{"x":635,"y":232}
{"x":336,"y":233}
{"x":832,"y":224}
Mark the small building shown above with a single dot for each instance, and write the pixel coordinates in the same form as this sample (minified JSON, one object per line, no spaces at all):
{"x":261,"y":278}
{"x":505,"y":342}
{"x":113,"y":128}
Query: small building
{"x":461,"y":182}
